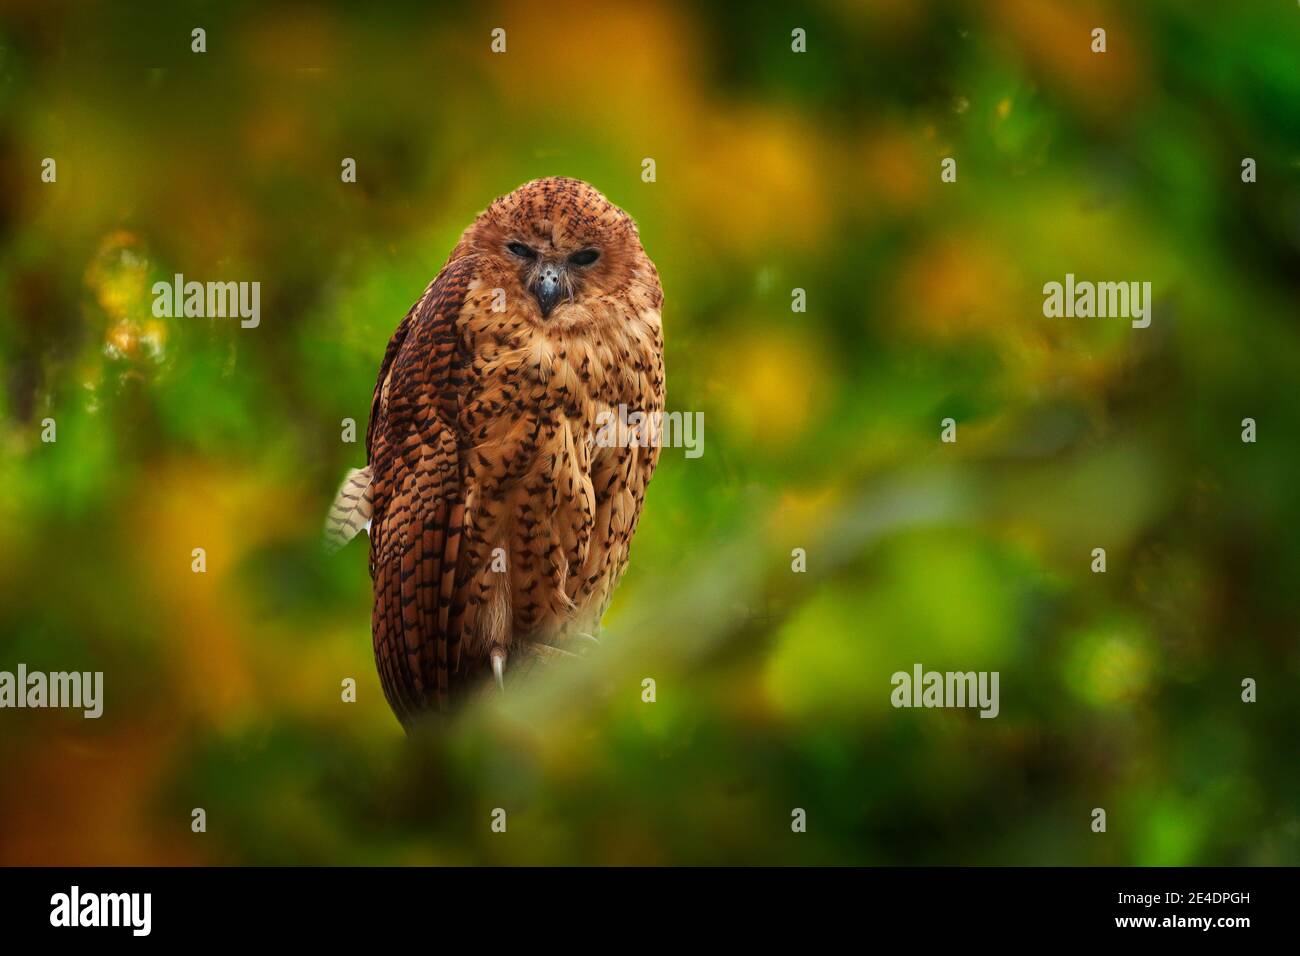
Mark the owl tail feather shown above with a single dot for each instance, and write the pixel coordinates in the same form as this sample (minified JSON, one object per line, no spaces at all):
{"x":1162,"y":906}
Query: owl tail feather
{"x":350,"y":512}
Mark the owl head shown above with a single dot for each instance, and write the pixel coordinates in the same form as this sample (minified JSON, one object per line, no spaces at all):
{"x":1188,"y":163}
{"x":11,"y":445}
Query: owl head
{"x":558,"y":242}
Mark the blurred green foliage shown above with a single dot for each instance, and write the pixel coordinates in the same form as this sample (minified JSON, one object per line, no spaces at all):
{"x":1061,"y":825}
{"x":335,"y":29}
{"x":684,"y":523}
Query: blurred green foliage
{"x":775,"y":170}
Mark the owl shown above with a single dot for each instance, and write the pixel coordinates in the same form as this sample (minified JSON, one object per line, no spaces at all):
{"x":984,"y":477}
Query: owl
{"x":503,"y":481}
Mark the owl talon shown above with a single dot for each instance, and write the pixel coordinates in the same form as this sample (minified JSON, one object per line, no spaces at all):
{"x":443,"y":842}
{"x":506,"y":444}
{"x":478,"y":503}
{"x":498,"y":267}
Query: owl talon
{"x":498,"y":657}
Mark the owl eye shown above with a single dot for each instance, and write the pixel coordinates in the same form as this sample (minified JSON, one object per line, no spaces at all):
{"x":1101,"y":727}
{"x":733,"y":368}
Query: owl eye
{"x":584,"y":257}
{"x":521,"y":250}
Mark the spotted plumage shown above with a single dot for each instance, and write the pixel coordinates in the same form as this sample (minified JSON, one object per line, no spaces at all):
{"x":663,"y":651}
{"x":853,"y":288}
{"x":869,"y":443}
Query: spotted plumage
{"x":500,"y":525}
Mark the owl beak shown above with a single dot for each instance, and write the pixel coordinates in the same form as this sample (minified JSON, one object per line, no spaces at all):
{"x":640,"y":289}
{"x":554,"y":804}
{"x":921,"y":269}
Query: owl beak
{"x":547,"y":285}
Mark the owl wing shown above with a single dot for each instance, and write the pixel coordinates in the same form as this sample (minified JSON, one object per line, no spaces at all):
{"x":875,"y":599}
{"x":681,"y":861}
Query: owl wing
{"x":417,"y":496}
{"x":620,"y":476}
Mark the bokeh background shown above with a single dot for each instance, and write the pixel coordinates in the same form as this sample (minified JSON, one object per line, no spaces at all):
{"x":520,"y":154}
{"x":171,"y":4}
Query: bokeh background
{"x":775,"y":170}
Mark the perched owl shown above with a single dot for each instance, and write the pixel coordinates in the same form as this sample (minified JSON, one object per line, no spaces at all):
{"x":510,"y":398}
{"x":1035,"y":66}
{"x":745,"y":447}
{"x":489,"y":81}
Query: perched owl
{"x":499,"y":509}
